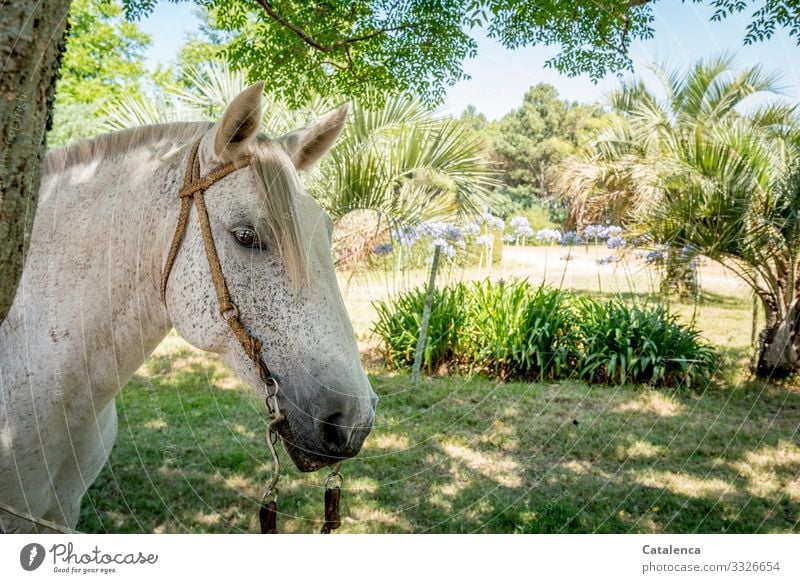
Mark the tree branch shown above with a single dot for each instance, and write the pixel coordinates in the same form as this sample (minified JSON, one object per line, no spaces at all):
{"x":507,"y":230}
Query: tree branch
{"x":300,"y":33}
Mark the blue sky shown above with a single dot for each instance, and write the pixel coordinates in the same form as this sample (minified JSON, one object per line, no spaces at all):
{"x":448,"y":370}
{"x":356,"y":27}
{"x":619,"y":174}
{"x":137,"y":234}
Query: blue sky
{"x":499,"y":77}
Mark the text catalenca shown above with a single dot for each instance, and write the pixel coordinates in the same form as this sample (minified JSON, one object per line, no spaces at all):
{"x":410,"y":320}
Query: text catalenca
{"x":670,"y":550}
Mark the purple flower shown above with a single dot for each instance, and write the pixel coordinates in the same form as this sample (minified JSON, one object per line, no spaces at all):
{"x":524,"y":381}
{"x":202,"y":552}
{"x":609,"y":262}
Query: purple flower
{"x":495,"y":222}
{"x":524,"y":232}
{"x":471,"y":229}
{"x":593,"y":232}
{"x":445,"y":247}
{"x":407,"y":235}
{"x":517,"y":222}
{"x":571,"y":238}
{"x":434,"y":230}
{"x":454,"y":233}
{"x":548,"y":235}
{"x":607,"y":260}
{"x":655,"y":257}
{"x":615,"y":242}
{"x":383,"y":249}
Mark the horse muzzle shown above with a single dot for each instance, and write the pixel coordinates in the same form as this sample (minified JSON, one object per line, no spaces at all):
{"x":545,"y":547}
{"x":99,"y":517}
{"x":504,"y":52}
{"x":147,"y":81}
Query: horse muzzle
{"x":332,"y":440}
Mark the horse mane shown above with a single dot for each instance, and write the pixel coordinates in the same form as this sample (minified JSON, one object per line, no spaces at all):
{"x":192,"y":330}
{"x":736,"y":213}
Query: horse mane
{"x":108,"y":145}
{"x":278,"y":186}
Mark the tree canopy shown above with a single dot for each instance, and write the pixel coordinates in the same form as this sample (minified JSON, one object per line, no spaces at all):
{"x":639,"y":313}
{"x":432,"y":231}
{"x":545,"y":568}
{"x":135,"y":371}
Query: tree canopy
{"x":103,"y":60}
{"x":530,"y":141}
{"x":339,"y":47}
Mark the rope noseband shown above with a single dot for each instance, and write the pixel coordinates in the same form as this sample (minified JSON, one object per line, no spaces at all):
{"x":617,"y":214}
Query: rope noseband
{"x":194,"y":186}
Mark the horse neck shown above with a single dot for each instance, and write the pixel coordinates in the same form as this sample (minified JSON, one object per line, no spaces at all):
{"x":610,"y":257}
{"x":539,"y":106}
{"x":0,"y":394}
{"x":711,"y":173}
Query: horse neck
{"x":91,"y":282}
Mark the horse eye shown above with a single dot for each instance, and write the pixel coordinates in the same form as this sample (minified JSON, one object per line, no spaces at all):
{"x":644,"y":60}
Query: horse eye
{"x":247,"y":237}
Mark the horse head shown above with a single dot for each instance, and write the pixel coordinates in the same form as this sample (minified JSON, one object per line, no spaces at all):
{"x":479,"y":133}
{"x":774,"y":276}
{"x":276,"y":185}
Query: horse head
{"x":274,"y":247}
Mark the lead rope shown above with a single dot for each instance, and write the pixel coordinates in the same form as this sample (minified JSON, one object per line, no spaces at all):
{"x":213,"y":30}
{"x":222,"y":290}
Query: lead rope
{"x":332,"y":497}
{"x":194,"y":186}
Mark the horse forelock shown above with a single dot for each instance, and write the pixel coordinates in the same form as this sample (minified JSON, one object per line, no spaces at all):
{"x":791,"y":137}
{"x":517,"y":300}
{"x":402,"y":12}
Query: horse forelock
{"x":279,"y":188}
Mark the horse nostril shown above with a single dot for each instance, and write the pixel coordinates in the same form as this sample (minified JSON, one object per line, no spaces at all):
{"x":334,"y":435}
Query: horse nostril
{"x":334,"y":432}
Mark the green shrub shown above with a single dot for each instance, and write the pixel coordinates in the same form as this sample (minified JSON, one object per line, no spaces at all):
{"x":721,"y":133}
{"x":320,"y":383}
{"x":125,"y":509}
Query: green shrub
{"x":514,"y":330}
{"x":623,"y":343}
{"x":510,"y":329}
{"x":399,"y":321}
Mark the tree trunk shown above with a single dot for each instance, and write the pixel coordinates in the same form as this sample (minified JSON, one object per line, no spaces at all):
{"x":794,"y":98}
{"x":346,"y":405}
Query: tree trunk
{"x":31,"y":44}
{"x":779,"y":352}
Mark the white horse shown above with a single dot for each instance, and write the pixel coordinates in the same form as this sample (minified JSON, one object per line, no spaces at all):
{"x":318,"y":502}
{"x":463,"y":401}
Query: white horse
{"x":88,"y":310}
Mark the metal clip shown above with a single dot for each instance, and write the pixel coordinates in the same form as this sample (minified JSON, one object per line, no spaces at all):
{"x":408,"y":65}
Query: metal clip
{"x":272,"y":488}
{"x":334,"y":475}
{"x":229,"y":312}
{"x":272,"y":399}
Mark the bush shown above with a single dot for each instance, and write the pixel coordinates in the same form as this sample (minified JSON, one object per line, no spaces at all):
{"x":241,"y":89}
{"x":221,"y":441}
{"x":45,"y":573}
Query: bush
{"x":510,"y":329}
{"x":399,"y":321}
{"x":514,"y":330}
{"x":623,"y":343}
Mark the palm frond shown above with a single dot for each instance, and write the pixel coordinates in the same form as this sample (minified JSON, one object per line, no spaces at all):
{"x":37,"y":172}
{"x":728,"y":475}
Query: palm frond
{"x":405,"y":164}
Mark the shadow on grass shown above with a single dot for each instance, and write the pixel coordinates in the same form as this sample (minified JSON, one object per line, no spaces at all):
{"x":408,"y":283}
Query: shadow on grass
{"x":722,"y":301}
{"x":463,"y":455}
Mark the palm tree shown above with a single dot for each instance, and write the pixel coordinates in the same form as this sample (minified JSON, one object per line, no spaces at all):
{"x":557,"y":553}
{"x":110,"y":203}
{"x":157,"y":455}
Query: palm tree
{"x":699,"y":170}
{"x":739,"y":204}
{"x":619,"y":174}
{"x":405,"y":164}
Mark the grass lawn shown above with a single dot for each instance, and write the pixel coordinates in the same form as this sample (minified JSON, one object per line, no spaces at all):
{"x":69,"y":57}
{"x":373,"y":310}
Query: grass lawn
{"x":468,"y":454}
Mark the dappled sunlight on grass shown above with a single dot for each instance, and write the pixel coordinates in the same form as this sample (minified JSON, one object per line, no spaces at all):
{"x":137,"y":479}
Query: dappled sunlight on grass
{"x":685,"y":484}
{"x":467,"y":454}
{"x":660,"y":404}
{"x":501,"y":434}
{"x":377,"y":519}
{"x":174,"y":353}
{"x":499,"y":468}
{"x":387,"y":441}
{"x":208,"y":519}
{"x":363,"y":485}
{"x":155,"y":424}
{"x":463,"y":455}
{"x":638,"y":449}
{"x":584,"y":469}
{"x":240,"y":484}
{"x":772,"y":471}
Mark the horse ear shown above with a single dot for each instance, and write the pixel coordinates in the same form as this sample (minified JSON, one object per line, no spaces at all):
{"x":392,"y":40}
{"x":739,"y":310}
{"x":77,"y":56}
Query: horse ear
{"x":240,"y":123}
{"x":307,"y":145}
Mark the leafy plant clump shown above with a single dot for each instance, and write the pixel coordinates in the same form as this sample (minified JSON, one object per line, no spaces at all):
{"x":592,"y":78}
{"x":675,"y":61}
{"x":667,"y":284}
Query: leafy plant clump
{"x":510,"y":329}
{"x":627,"y":343}
{"x":514,"y":330}
{"x":399,"y":323}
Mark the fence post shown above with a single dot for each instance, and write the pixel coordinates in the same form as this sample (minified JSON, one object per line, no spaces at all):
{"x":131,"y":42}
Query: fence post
{"x":426,"y":316}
